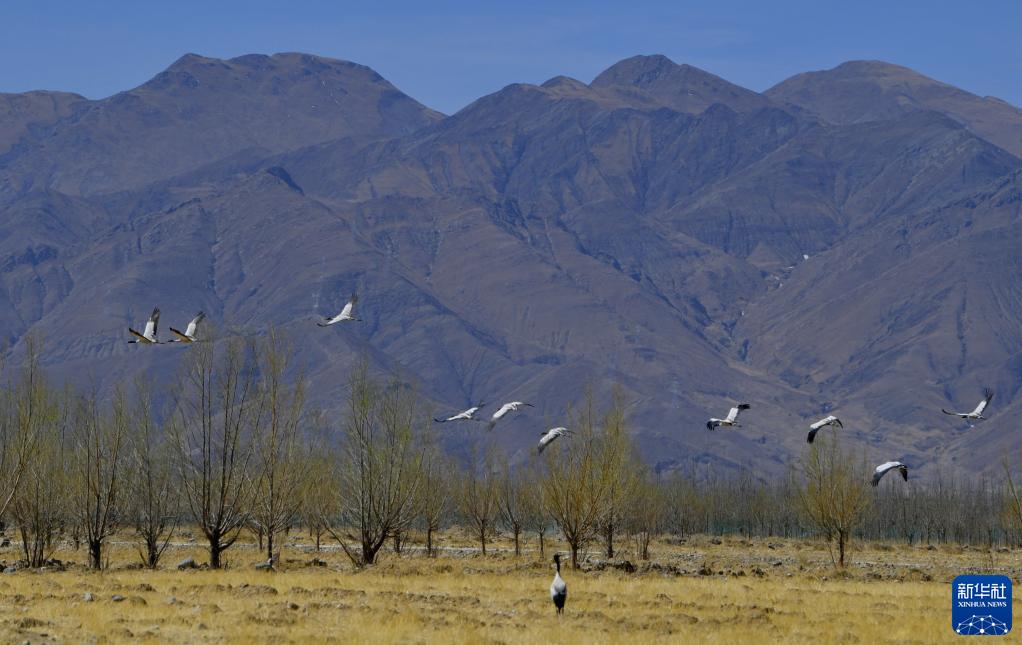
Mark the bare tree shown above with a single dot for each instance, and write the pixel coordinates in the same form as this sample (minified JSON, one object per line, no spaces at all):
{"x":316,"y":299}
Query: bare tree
{"x":513,"y":504}
{"x":534,"y":515}
{"x":216,"y":408}
{"x":40,"y":502}
{"x":278,"y":463}
{"x":380,"y":466}
{"x":646,"y":508}
{"x":1012,"y":505}
{"x":618,"y":467}
{"x":478,"y":498}
{"x":435,"y":494}
{"x":97,"y":467}
{"x":577,"y":482}
{"x":319,"y":489}
{"x":835,"y":493}
{"x":25,"y":409}
{"x":153,"y":502}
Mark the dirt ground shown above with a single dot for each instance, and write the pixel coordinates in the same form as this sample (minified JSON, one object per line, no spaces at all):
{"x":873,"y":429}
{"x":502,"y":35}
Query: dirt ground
{"x":699,"y":589}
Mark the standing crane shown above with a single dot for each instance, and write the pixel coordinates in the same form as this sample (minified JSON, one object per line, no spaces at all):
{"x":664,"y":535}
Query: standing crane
{"x":558,"y":588}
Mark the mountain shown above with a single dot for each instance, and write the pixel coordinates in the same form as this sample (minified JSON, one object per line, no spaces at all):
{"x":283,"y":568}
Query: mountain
{"x":680,"y":87}
{"x":658,"y":229}
{"x":201,"y":110}
{"x":859,"y":91}
{"x":21,"y":114}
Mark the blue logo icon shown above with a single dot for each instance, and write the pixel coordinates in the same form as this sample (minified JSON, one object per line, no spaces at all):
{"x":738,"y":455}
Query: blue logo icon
{"x":981,"y":605}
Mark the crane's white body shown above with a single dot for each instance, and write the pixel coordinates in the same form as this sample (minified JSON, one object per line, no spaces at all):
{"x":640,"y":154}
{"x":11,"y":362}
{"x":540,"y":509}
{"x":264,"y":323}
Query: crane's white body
{"x":189,"y":334}
{"x":822,"y":423}
{"x":347,"y":314}
{"x":731,"y":420}
{"x":978,"y":412}
{"x":550,"y":435}
{"x":888,"y":466}
{"x":148,"y":336}
{"x":512,"y":406}
{"x":466,"y":415}
{"x":558,"y":588}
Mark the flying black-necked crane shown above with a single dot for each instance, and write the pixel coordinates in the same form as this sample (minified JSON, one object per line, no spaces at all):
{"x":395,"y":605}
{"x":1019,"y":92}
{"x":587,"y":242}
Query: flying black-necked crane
{"x":884,"y":468}
{"x":830,"y":420}
{"x":988,"y":394}
{"x":148,"y":337}
{"x":731,"y":420}
{"x":188,"y":335}
{"x":558,"y":588}
{"x":347,"y":314}
{"x":465,"y":415}
{"x":501,"y":412}
{"x":550,"y":435}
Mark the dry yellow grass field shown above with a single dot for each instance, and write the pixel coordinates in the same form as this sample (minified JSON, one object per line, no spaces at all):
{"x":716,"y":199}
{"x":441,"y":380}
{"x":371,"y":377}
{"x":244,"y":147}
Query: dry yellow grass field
{"x":699,"y":590}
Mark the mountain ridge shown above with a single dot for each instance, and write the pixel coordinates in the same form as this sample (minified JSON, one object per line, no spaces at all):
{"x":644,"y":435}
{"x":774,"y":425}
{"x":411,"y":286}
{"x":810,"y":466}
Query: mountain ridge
{"x":692,"y":248}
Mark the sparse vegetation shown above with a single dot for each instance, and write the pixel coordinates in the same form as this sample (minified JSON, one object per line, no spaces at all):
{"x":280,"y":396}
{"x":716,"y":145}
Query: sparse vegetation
{"x":835,"y":494}
{"x":237,"y":449}
{"x":739,"y":590}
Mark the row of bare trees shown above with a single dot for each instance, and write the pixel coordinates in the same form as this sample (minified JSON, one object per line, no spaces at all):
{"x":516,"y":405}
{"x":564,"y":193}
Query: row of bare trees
{"x":234,"y":448}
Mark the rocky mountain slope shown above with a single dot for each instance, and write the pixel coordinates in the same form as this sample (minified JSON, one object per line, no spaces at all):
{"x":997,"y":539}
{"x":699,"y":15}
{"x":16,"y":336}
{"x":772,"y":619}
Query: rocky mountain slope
{"x":661,"y":229}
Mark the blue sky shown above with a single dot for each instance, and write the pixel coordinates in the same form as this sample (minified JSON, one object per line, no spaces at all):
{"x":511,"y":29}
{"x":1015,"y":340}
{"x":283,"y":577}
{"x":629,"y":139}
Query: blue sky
{"x":447,"y":54}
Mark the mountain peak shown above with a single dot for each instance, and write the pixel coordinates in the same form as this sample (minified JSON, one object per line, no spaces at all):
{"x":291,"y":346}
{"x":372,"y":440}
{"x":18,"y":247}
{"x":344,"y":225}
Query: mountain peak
{"x":563,"y":81}
{"x":202,"y":109}
{"x":640,"y":71}
{"x":871,"y":90}
{"x":874,"y":67}
{"x":681,"y":87}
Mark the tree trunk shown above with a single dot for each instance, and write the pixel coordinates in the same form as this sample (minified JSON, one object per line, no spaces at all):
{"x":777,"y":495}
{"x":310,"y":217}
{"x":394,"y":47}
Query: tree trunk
{"x":214,"y":551}
{"x":429,"y":541}
{"x":269,"y":546}
{"x":542,"y":551}
{"x":482,"y":539}
{"x":644,"y":546}
{"x":841,"y":548}
{"x":96,"y":554}
{"x":609,"y":534}
{"x":369,"y":552}
{"x":518,"y":550}
{"x":574,"y":554}
{"x":152,"y":552}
